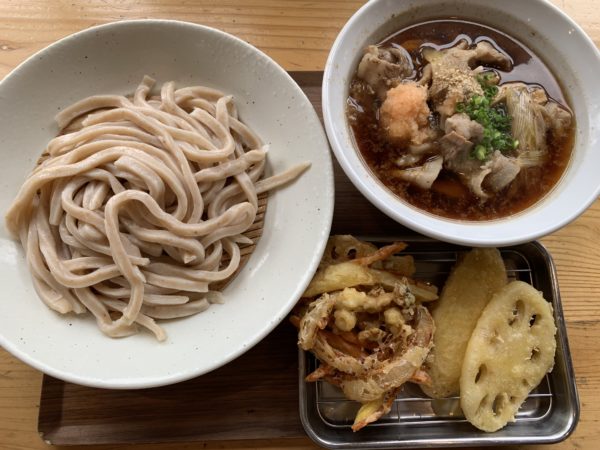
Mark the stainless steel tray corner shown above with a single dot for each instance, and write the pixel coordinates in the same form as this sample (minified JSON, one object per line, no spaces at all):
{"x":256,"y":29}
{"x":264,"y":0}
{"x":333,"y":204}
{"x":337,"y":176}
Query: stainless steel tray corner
{"x":549,"y":414}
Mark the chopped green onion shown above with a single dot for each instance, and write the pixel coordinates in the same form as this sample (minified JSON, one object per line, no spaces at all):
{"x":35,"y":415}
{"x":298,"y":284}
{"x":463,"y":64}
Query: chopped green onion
{"x":494,"y":119}
{"x":480,"y":152}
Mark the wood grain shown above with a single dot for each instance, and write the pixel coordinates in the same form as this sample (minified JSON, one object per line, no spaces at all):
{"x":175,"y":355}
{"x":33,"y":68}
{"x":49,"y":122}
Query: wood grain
{"x":298,"y":35}
{"x":257,"y":392}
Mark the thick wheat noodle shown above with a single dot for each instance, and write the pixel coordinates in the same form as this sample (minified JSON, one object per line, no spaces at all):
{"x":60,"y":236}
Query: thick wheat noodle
{"x":66,"y":116}
{"x":135,"y":214}
{"x":44,"y":282}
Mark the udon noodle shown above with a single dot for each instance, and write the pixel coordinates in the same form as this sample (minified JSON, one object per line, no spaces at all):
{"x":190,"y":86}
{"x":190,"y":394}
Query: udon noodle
{"x":136,"y":212}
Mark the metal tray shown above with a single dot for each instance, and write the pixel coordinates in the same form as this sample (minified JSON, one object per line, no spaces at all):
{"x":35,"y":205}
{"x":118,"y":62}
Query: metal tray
{"x":549,"y":414}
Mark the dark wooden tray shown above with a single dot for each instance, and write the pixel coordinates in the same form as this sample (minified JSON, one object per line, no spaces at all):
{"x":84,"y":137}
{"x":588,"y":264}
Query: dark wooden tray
{"x":253,"y":397}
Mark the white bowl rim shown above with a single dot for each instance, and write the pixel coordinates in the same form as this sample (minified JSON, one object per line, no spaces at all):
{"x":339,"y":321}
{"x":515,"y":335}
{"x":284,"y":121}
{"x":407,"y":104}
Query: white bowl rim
{"x":410,"y":216}
{"x":326,"y":212}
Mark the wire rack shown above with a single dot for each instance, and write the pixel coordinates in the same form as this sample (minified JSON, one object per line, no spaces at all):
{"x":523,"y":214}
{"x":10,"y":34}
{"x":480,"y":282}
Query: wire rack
{"x":412,"y":407}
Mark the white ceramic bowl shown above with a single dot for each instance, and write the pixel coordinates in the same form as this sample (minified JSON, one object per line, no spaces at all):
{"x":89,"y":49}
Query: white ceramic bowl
{"x":564,"y":47}
{"x":112,"y":59}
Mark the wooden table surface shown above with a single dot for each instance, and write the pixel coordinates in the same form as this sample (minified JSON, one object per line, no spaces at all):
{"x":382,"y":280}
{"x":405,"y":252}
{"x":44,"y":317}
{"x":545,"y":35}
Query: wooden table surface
{"x":298,"y":35}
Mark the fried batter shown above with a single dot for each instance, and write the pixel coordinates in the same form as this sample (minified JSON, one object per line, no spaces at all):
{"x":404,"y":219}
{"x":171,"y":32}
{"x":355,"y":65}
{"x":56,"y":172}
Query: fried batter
{"x":469,"y":288}
{"x":366,"y":325}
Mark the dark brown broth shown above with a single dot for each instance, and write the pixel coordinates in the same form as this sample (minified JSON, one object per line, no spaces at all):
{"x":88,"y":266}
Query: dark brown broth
{"x":448,"y":197}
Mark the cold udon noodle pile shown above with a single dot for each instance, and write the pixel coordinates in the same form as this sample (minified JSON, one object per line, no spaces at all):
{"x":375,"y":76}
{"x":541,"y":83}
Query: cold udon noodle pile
{"x":138,"y":211}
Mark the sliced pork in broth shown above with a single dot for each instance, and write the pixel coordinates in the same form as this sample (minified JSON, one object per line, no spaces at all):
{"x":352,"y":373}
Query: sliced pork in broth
{"x":441,"y":115}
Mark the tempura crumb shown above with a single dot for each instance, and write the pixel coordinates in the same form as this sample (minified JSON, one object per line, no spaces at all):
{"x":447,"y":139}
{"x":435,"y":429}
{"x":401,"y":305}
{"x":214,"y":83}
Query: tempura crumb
{"x":404,"y":114}
{"x":344,"y":320}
